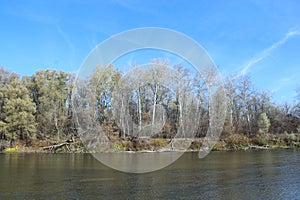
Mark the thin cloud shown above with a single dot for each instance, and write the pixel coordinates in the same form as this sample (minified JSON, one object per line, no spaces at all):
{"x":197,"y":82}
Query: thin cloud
{"x":69,"y":43}
{"x":285,"y":82}
{"x":266,"y":52}
{"x":135,"y":6}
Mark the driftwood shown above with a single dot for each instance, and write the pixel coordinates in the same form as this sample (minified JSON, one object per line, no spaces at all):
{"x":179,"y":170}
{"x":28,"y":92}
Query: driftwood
{"x":56,"y":146}
{"x":258,"y":147}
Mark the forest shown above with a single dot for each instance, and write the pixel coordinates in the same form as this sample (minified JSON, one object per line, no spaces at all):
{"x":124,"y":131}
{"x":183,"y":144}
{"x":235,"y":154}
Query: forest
{"x":37,"y":111}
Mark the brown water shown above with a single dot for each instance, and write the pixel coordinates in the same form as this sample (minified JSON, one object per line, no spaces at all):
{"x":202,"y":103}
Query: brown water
{"x":221,"y":175}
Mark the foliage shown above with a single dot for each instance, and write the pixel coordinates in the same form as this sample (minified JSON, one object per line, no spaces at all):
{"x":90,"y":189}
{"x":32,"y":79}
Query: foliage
{"x":220,"y":145}
{"x":158,"y":143}
{"x":261,"y":140}
{"x":40,"y":107}
{"x":263,"y":123}
{"x":120,"y":146}
{"x":237,"y":141}
{"x":51,"y":93}
{"x":11,"y":150}
{"x":17,"y":110}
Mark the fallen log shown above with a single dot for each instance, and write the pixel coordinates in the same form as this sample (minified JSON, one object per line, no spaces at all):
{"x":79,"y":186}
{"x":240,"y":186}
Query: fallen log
{"x":55,"y":146}
{"x":258,"y":147}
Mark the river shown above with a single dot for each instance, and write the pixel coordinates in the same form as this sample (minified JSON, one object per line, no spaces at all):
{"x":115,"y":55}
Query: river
{"x":267,"y":174}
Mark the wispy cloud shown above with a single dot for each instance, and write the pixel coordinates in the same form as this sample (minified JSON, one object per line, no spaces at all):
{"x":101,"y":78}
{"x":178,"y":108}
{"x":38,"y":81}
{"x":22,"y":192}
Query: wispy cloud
{"x":283,"y":82}
{"x":266,"y":52}
{"x":135,"y":6}
{"x":69,"y":43}
{"x":285,"y":90}
{"x":32,"y":15}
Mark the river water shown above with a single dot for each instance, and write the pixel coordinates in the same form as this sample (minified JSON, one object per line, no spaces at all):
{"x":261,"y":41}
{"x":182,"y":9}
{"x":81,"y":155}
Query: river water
{"x":273,"y":174}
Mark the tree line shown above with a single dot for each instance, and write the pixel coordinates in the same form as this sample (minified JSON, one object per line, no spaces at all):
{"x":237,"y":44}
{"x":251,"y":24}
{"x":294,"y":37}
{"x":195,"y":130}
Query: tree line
{"x":39,"y":107}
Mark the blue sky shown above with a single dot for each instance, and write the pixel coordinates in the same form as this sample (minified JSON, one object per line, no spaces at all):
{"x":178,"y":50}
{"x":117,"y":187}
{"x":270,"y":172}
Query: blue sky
{"x":259,"y":38}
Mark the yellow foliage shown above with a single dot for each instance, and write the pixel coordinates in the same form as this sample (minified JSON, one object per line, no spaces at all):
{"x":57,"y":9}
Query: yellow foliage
{"x":11,"y":150}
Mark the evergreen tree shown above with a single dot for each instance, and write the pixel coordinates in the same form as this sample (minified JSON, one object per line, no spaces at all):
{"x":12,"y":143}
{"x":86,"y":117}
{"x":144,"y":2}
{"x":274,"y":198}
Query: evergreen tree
{"x":17,"y":111}
{"x":50,"y":90}
{"x":263,"y":123}
{"x":20,"y":122}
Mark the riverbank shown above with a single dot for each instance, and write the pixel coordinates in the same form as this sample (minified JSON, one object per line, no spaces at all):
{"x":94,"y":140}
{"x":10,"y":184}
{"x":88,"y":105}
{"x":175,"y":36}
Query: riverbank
{"x":266,"y":141}
{"x":226,"y":143}
{"x":245,"y":148}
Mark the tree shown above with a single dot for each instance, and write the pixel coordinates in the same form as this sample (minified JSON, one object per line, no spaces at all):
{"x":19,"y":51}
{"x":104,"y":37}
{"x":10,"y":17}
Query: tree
{"x":231,"y":93}
{"x":103,"y":82}
{"x":202,"y":104}
{"x":245,"y":95}
{"x":50,"y":91}
{"x":263,"y":123}
{"x":20,"y":122}
{"x":6,"y":77}
{"x":17,"y":110}
{"x":156,"y":73}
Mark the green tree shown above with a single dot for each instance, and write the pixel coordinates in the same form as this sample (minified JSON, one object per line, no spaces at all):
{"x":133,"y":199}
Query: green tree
{"x":103,"y":82}
{"x":263,"y":123}
{"x":20,"y":122}
{"x":17,"y":110}
{"x":51,"y":91}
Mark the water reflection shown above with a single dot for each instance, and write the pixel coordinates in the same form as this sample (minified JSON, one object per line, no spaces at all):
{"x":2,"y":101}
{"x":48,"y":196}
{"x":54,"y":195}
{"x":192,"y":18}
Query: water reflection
{"x":137,"y":162}
{"x":221,"y":175}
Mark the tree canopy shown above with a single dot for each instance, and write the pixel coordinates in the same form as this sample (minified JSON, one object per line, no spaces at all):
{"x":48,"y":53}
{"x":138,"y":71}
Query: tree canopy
{"x":40,"y":106}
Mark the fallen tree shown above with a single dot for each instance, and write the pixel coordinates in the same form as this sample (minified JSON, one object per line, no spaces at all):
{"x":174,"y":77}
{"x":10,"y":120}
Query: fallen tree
{"x":54,"y":147}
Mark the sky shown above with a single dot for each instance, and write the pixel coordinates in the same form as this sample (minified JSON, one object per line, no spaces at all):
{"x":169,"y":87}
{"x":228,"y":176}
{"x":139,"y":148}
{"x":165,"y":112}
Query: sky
{"x":253,"y":37}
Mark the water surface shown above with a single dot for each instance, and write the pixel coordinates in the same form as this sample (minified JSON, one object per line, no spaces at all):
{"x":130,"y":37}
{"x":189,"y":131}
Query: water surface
{"x":221,"y":175}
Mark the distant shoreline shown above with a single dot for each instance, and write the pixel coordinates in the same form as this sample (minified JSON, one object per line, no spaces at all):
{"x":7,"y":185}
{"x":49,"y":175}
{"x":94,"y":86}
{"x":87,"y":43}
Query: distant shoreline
{"x":249,"y":148}
{"x":151,"y":145}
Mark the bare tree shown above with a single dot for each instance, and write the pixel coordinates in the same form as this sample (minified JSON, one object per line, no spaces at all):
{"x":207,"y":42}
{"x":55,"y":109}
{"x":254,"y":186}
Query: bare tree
{"x":245,"y":94}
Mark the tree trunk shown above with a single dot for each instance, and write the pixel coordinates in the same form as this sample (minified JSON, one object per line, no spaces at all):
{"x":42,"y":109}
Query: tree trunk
{"x":181,"y":115}
{"x":56,"y":126}
{"x":154,"y":109}
{"x":140,"y":110}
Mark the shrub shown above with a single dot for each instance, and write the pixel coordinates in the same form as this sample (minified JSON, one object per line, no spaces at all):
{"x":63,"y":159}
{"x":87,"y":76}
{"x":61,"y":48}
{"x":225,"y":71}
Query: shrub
{"x":120,"y":146}
{"x":219,"y":146}
{"x":261,"y":140}
{"x":158,"y":143}
{"x":195,"y":145}
{"x":237,"y":141}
